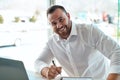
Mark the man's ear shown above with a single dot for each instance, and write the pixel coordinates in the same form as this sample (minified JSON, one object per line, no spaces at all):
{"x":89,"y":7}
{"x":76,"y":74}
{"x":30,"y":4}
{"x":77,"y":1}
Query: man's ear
{"x":68,"y":15}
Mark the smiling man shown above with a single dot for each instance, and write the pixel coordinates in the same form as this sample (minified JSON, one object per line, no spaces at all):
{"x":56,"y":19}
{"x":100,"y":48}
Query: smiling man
{"x":61,"y":23}
{"x":82,"y":50}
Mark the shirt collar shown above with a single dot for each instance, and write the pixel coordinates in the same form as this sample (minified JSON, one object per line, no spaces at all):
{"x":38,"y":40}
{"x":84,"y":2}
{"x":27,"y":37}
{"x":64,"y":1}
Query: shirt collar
{"x":73,"y":32}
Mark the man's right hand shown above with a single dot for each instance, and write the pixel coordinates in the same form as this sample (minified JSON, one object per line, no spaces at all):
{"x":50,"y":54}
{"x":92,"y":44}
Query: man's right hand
{"x":51,"y":72}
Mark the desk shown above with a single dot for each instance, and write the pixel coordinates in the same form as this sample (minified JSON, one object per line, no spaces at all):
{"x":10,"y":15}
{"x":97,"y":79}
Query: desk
{"x":35,"y":76}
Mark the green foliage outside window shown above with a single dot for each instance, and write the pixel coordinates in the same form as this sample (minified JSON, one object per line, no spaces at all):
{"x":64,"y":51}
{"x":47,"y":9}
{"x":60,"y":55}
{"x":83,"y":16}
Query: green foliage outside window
{"x":1,"y":19}
{"x":17,"y":19}
{"x":33,"y":19}
{"x":118,"y":29}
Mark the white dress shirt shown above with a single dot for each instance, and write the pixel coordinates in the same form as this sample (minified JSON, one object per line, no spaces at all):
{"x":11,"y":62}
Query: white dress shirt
{"x":84,"y":54}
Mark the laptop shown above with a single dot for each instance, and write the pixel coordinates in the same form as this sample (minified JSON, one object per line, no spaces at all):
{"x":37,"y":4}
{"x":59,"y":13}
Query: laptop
{"x":12,"y":70}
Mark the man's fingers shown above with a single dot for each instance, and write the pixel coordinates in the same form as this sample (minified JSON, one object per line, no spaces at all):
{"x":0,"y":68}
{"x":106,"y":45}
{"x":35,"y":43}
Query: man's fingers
{"x":53,"y":70}
{"x":52,"y":73}
{"x":59,"y":69}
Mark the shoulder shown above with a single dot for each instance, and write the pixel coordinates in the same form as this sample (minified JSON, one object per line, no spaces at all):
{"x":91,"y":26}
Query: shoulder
{"x":87,"y":31}
{"x":83,"y":28}
{"x":86,"y":28}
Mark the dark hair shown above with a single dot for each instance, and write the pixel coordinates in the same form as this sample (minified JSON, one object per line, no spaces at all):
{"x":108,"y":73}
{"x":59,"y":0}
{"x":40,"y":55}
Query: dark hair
{"x":54,"y":7}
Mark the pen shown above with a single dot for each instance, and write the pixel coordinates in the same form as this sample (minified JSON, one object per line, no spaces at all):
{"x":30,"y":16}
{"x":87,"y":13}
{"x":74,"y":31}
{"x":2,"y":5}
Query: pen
{"x":54,"y":64}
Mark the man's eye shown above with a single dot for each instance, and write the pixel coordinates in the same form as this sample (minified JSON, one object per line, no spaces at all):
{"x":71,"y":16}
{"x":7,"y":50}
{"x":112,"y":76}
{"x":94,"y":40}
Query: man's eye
{"x":54,"y":23}
{"x":61,"y":20}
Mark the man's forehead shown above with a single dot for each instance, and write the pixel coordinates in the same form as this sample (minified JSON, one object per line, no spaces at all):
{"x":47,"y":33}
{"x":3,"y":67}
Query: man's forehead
{"x":58,"y":13}
{"x":58,"y":10}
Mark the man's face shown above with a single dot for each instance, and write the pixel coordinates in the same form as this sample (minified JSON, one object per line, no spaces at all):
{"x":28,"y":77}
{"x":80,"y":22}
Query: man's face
{"x":60,"y":22}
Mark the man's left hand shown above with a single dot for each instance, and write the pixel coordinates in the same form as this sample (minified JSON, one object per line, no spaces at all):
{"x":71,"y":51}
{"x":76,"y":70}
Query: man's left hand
{"x":113,"y":76}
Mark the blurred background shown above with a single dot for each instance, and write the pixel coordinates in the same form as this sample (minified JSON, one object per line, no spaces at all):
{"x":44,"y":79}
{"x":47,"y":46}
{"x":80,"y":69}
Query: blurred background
{"x":24,"y":28}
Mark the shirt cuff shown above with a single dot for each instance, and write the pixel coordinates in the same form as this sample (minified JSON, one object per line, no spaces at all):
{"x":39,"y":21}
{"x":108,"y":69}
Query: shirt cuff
{"x":115,"y":69}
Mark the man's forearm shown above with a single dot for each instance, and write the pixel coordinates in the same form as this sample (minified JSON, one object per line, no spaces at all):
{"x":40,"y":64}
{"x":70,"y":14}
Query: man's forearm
{"x":113,"y":76}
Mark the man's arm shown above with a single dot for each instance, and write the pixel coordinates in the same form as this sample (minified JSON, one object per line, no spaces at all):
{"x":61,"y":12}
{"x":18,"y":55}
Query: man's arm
{"x":113,"y":76}
{"x":43,"y":60}
{"x":109,"y":48}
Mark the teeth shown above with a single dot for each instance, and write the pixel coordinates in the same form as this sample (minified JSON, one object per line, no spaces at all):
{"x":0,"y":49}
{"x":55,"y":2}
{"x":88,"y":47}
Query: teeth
{"x":62,"y":29}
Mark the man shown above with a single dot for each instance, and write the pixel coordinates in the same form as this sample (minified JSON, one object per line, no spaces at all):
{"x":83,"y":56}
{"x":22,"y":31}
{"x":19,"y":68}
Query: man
{"x":82,"y":50}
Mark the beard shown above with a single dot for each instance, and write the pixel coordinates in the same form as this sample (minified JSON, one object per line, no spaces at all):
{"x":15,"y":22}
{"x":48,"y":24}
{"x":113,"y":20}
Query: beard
{"x":63,"y":32}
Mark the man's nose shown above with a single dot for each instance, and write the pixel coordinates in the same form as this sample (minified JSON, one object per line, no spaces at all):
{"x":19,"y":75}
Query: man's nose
{"x":59,"y":25}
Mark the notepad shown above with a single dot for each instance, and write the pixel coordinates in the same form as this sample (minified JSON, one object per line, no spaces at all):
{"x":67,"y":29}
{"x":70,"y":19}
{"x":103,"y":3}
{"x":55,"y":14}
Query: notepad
{"x":76,"y":78}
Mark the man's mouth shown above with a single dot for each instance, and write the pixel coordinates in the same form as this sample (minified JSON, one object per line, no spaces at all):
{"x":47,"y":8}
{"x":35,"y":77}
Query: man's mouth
{"x":62,"y":29}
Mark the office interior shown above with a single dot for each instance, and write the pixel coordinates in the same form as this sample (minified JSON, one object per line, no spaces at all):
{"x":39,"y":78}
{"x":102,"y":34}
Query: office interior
{"x":24,"y":28}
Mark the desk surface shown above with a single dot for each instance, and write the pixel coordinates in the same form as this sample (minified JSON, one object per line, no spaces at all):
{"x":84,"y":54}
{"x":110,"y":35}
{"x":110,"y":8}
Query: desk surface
{"x":35,"y":76}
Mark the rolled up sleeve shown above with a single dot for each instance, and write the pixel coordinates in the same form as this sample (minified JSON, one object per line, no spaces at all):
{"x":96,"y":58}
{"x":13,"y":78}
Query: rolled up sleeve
{"x":44,"y":59}
{"x":108,"y":47}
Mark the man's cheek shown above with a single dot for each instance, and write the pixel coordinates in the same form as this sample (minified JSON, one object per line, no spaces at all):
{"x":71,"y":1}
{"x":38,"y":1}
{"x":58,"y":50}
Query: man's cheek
{"x":55,"y":30}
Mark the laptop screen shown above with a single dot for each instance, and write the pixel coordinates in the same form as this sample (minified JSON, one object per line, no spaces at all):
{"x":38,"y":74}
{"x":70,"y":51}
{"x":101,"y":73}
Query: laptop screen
{"x":12,"y":70}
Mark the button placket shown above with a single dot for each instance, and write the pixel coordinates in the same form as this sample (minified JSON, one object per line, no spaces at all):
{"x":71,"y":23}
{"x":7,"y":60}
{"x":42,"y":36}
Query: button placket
{"x":71,"y":59}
